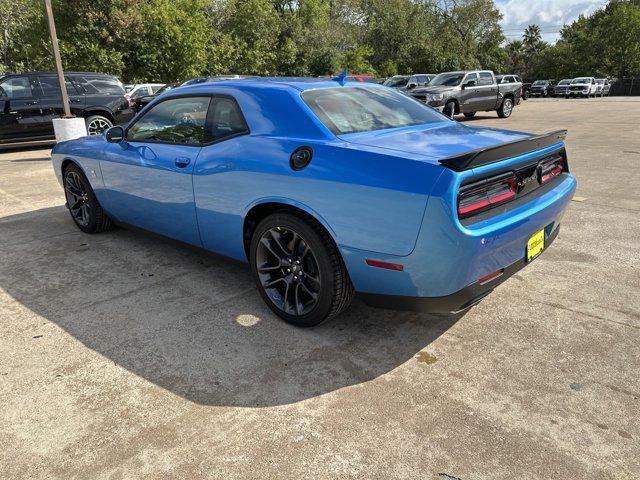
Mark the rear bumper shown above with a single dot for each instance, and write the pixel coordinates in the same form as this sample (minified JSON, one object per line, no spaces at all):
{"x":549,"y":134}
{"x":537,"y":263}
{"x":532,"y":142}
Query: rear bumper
{"x":452,"y":303}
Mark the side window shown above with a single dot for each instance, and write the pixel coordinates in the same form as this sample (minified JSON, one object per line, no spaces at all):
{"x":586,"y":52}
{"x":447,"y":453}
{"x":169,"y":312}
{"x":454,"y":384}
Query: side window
{"x":50,"y":88}
{"x":226,"y":118}
{"x":155,"y":88}
{"x":177,"y":120}
{"x":485,"y":78}
{"x":471,"y":76}
{"x":100,"y":85}
{"x":16,"y":88}
{"x":140,"y":92}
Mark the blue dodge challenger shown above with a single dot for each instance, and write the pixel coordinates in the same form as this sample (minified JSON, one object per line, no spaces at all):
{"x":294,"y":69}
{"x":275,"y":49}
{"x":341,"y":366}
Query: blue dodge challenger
{"x":327,"y":190}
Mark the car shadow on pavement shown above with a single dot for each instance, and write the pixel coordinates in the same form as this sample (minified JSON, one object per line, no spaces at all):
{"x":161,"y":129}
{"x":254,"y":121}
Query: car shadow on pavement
{"x":191,"y":322}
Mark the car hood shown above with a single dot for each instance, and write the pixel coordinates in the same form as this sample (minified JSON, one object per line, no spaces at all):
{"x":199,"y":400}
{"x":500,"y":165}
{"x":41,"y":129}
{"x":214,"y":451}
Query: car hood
{"x":433,"y":89}
{"x":436,"y":140}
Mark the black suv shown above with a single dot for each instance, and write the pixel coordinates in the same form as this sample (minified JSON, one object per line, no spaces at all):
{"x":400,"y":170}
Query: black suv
{"x":29,"y":101}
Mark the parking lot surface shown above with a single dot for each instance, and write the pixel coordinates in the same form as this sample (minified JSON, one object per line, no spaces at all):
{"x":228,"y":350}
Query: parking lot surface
{"x":127,"y":356}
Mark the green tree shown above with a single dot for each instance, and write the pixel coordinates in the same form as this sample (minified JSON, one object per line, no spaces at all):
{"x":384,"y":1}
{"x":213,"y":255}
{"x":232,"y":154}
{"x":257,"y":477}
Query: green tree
{"x":171,"y":42}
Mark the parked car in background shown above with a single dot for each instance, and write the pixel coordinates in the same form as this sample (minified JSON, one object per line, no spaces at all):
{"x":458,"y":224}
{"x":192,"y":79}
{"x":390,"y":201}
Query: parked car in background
{"x":562,"y":87}
{"x":542,"y":88}
{"x":469,"y":92}
{"x":397,"y":81}
{"x":510,"y":78}
{"x":390,"y":200}
{"x":30,"y":101}
{"x":603,"y":87}
{"x":419,"y":80}
{"x":409,"y":82}
{"x":143,"y":89}
{"x":140,"y":102}
{"x":582,"y":87}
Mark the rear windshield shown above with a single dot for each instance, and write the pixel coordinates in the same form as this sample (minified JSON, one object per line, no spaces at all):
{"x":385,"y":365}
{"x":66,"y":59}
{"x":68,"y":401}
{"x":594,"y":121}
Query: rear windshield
{"x":363,"y":109}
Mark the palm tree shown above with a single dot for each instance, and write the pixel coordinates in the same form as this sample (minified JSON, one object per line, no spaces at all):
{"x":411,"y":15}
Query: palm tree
{"x":532,"y":39}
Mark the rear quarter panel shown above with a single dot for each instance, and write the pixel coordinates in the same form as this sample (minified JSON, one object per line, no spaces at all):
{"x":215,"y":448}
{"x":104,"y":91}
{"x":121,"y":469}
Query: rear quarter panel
{"x":366,"y":199}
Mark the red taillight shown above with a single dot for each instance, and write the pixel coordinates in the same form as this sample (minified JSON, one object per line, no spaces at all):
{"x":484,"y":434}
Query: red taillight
{"x":472,"y":199}
{"x":388,"y":266}
{"x":551,"y":169}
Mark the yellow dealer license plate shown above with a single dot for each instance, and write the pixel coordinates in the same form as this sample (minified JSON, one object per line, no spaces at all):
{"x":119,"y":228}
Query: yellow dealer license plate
{"x":535,"y":245}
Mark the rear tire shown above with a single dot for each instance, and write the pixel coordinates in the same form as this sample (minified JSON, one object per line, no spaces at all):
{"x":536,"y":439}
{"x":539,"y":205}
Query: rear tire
{"x":505,"y":108}
{"x":298,"y":269}
{"x":82,"y":203}
{"x":97,"y":124}
{"x":469,"y":114}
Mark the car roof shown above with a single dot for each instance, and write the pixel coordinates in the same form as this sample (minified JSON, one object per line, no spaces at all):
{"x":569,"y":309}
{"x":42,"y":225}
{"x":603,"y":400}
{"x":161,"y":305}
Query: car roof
{"x":298,"y":83}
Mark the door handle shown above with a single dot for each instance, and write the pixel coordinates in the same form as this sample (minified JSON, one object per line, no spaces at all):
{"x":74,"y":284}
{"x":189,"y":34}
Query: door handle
{"x":182,"y":162}
{"x":32,"y":103}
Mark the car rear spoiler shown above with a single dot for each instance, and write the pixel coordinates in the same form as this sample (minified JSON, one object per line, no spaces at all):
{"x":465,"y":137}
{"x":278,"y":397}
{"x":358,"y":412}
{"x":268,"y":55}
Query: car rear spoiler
{"x":483,"y":156}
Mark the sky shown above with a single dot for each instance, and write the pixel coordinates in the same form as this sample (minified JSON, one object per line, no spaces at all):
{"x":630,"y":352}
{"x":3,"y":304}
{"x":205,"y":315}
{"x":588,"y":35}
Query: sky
{"x":550,"y":15}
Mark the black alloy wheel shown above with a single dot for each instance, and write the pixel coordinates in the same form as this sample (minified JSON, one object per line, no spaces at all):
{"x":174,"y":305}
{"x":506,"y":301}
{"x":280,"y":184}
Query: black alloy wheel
{"x":288,"y":271}
{"x":82,"y":202}
{"x":77,"y":199}
{"x":298,"y":270}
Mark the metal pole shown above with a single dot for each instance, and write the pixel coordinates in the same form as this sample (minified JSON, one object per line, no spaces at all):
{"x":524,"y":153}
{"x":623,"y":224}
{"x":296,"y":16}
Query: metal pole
{"x":56,"y":54}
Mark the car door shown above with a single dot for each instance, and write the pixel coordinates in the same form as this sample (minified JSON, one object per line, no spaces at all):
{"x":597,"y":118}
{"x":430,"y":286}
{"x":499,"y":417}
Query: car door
{"x":217,"y":178}
{"x":19,"y":110}
{"x":487,"y":95}
{"x":148,"y":176}
{"x":47,"y":90}
{"x":468,"y":100}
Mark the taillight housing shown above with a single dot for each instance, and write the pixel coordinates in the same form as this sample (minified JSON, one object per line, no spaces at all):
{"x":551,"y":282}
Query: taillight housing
{"x":480,"y":196}
{"x":551,"y":168}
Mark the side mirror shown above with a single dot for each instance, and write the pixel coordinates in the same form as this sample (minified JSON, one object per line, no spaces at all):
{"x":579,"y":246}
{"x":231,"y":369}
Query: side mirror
{"x":469,"y":83}
{"x":115,"y":135}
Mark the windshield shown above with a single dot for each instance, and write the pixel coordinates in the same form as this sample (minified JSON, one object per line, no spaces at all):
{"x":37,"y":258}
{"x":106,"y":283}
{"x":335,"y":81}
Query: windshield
{"x":600,"y":81}
{"x":397,"y":81}
{"x":564,"y":82}
{"x":540,"y":82}
{"x":363,"y":109}
{"x":447,"y":79}
{"x":580,"y":80}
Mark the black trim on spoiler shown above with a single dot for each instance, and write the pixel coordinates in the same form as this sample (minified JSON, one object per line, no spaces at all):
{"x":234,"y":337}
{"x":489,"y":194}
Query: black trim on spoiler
{"x":483,"y":156}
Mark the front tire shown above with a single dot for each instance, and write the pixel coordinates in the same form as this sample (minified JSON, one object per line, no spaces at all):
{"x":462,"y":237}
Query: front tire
{"x":505,"y":108}
{"x":450,"y":109}
{"x":82,"y":203}
{"x":298,"y":270}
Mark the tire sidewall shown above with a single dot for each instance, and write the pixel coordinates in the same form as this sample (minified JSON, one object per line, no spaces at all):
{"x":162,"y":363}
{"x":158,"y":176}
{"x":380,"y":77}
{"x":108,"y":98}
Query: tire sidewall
{"x":92,"y":226}
{"x":501,"y":111}
{"x":327,"y":289}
